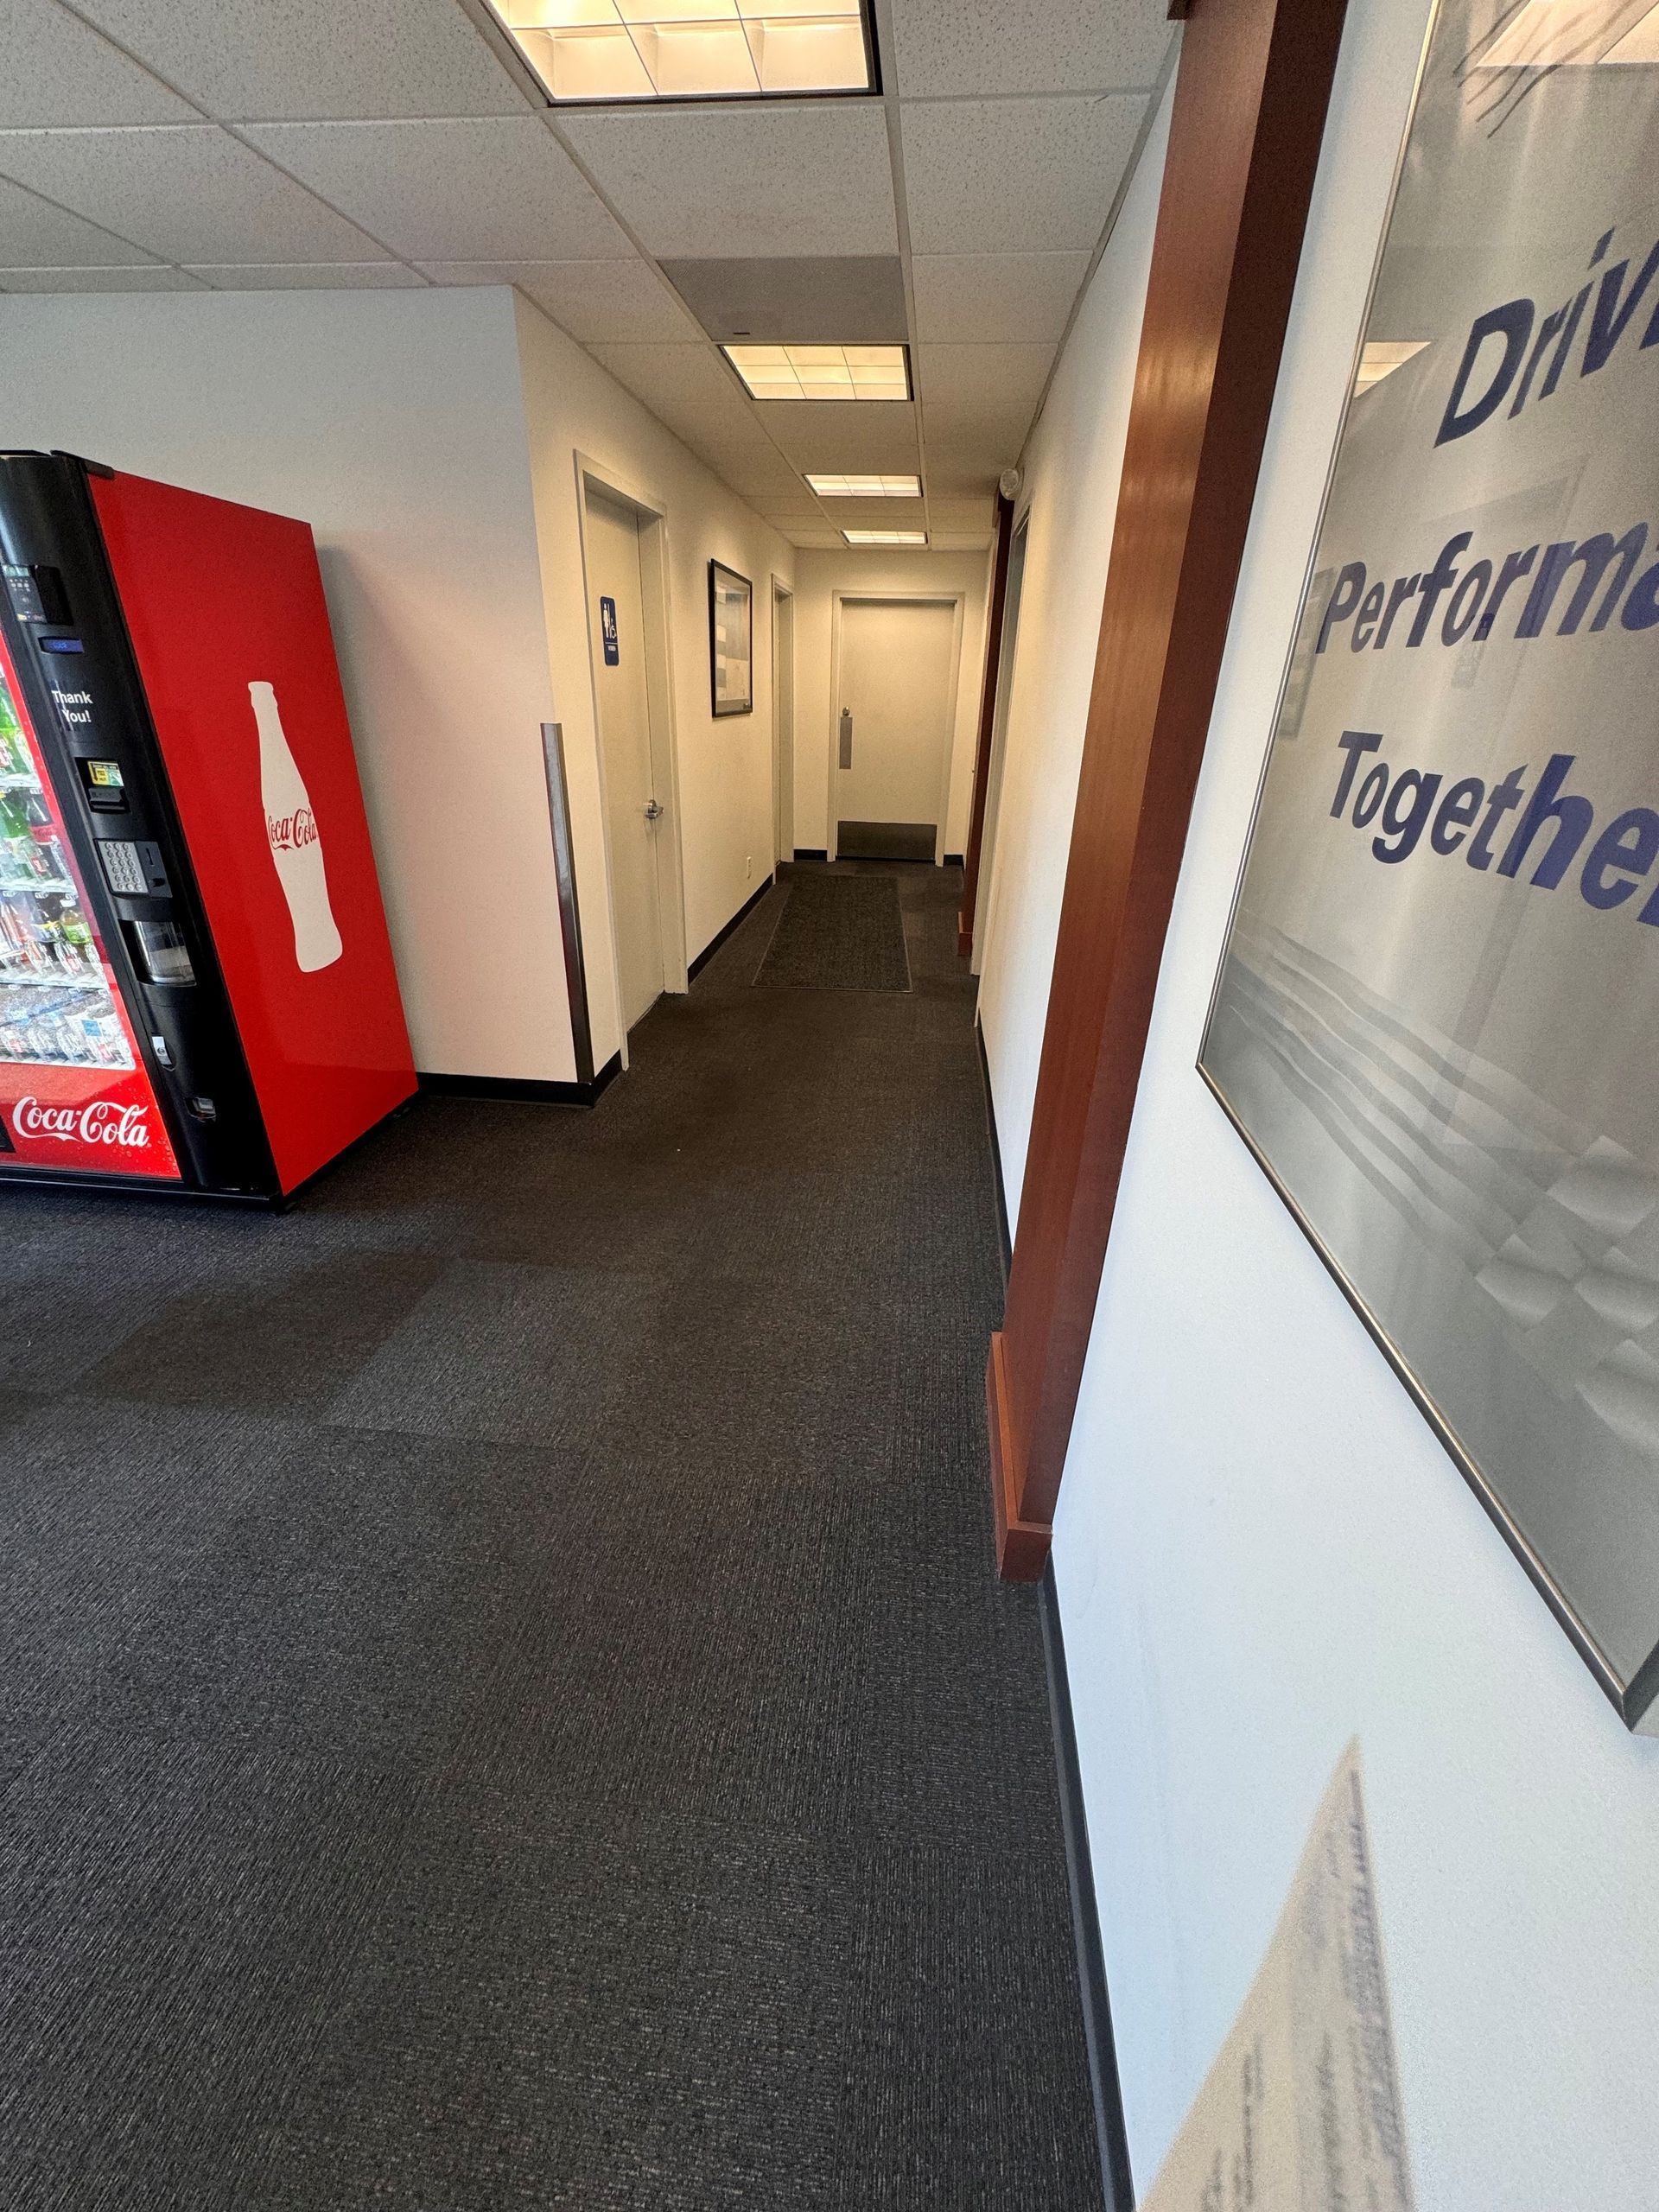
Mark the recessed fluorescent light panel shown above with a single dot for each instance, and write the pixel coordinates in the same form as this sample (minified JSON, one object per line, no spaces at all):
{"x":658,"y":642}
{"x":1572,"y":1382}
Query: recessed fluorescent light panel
{"x":885,"y":536}
{"x":823,"y":371}
{"x":1381,"y":357}
{"x":1568,"y":34}
{"x":866,"y":488}
{"x":599,"y":50}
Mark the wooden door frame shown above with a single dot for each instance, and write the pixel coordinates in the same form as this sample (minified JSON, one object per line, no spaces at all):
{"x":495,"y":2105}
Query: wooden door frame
{"x":837,"y":600}
{"x":1251,"y":92}
{"x":986,"y":721}
{"x":981,"y":915}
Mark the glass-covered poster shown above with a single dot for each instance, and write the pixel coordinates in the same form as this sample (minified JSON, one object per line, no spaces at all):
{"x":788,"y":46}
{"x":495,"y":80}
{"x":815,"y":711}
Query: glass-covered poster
{"x":1436,"y":1018}
{"x":731,"y":640}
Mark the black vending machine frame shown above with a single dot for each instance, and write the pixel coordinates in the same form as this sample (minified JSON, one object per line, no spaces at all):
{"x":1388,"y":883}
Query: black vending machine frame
{"x":58,"y":584}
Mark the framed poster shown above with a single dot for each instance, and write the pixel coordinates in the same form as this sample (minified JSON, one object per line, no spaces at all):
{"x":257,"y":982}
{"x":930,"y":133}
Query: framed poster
{"x":731,"y":640}
{"x":1436,"y":1023}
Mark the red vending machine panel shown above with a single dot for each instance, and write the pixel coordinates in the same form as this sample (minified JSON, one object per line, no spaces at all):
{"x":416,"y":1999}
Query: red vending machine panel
{"x":224,"y":607}
{"x":73,"y":1091}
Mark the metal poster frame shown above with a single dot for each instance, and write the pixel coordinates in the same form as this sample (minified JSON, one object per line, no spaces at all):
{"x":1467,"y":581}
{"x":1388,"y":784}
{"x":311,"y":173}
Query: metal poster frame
{"x":1634,"y":1694}
{"x":720,"y":708}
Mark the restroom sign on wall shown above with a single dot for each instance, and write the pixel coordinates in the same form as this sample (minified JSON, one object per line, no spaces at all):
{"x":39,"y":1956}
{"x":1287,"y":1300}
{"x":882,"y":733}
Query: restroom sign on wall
{"x":1437,"y":1012}
{"x":607,"y":632}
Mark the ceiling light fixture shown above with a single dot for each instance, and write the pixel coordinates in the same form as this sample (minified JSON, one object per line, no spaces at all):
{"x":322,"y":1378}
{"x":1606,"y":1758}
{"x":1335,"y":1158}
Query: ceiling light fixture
{"x":600,"y":50}
{"x":823,"y":371}
{"x":885,"y":536}
{"x":1381,"y":357}
{"x":1568,"y":33}
{"x":866,"y":488}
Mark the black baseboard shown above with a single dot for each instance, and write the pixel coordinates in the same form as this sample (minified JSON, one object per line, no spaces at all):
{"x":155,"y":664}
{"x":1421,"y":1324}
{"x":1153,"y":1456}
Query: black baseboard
{"x":720,"y":935}
{"x":953,"y":859}
{"x":517,"y":1090}
{"x":1110,"y":2127}
{"x":812,"y":852}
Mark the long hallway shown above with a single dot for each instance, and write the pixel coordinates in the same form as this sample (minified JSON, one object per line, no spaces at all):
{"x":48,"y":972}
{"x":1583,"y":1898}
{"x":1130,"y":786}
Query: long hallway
{"x":506,"y":1698}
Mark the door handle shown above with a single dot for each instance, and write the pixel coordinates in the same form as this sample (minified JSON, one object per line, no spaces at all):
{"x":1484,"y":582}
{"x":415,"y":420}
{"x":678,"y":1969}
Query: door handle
{"x":846,"y":737}
{"x":653,"y":812}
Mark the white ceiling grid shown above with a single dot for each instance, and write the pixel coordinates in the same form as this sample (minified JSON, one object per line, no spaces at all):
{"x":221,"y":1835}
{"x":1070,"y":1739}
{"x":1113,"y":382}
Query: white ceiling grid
{"x":157,"y":145}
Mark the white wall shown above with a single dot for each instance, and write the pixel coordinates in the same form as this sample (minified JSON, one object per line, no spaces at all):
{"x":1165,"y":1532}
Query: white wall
{"x":392,"y":422}
{"x":573,"y":406}
{"x":1072,"y":465}
{"x":1260,"y":1549}
{"x":428,"y":437}
{"x":918,"y":574}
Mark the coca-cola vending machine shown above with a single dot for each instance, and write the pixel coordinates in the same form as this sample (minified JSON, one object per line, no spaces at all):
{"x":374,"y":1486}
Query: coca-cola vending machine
{"x":197,"y":992}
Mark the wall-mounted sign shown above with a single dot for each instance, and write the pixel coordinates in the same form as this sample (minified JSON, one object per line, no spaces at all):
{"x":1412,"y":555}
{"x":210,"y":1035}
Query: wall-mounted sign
{"x":731,"y":640}
{"x":1302,"y":2108}
{"x":1438,"y":1011}
{"x":607,"y":632}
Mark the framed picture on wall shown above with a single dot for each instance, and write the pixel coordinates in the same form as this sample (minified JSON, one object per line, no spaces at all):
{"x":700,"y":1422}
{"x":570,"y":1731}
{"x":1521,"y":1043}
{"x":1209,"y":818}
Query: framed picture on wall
{"x":731,"y":640}
{"x":1436,"y":1015}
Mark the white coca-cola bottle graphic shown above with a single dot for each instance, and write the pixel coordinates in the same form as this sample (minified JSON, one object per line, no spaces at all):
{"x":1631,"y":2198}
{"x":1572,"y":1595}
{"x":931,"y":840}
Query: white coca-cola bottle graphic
{"x":296,"y":846}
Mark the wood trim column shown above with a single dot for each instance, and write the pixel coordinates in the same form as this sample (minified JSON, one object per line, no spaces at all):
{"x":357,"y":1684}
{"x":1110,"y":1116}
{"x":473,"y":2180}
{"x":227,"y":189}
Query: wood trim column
{"x":994,"y":613}
{"x":1250,"y":98}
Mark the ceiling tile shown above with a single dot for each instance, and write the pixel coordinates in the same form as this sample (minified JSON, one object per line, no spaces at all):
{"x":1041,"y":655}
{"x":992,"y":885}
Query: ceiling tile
{"x":494,"y":188}
{"x":831,"y":434}
{"x":621,"y":302}
{"x":54,"y":70}
{"x":153,"y":278}
{"x":954,"y":474}
{"x":690,"y":375}
{"x":766,"y":477}
{"x":1013,"y":176}
{"x":940,"y":48}
{"x":309,"y":277}
{"x":948,"y":514}
{"x":876,"y":514}
{"x":781,"y":178}
{"x":960,"y":541}
{"x":189,"y":193}
{"x":817,"y":541}
{"x":989,"y":427}
{"x":274,"y":61}
{"x":790,"y":514}
{"x":729,"y":425}
{"x":832,"y":299}
{"x":992,"y":378}
{"x":35,"y":234}
{"x":995,"y":297}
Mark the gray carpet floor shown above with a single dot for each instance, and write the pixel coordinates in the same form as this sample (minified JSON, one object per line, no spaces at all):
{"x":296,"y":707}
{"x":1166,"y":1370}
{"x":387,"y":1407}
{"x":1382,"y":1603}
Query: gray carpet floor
{"x":503,"y":1700}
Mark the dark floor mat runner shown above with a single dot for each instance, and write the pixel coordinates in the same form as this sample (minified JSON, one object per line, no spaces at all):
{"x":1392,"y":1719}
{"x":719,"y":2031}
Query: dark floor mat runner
{"x":839,"y":933}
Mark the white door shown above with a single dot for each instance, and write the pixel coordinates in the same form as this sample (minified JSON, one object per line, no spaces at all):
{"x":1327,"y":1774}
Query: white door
{"x":893,"y":726}
{"x":618,"y":644}
{"x":783,"y":708}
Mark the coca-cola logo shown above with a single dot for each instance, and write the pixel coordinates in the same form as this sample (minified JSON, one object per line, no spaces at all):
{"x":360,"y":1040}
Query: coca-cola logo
{"x":103,"y":1122}
{"x":293,"y":832}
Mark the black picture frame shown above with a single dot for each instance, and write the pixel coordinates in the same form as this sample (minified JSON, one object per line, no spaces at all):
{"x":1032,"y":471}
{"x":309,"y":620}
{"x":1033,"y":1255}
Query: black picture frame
{"x":730,"y":594}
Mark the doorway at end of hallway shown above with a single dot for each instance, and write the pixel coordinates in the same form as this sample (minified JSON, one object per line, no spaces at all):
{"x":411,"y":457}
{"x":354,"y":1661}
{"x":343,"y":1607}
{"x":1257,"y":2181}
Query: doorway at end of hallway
{"x":895,"y":672}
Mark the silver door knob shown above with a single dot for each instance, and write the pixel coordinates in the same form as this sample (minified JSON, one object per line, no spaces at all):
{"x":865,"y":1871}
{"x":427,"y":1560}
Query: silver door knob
{"x":653,"y":812}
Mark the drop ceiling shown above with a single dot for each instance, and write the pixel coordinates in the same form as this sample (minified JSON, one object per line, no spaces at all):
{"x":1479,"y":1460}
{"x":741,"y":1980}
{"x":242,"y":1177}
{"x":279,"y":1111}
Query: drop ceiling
{"x":182,"y":145}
